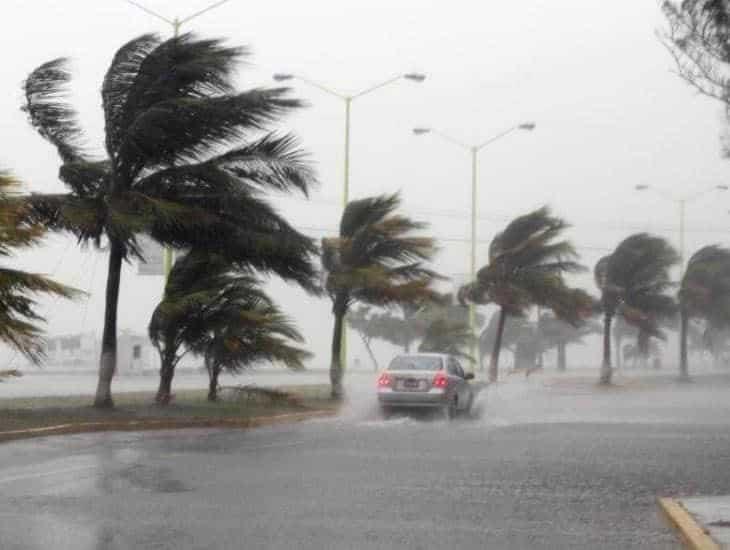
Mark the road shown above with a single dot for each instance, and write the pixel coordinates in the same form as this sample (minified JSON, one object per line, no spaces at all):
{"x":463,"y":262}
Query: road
{"x":556,"y":467}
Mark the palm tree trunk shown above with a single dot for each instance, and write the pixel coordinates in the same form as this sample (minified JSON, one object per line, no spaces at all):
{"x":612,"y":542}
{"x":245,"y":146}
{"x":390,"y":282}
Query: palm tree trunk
{"x":213,"y":374}
{"x":366,"y":342}
{"x":683,"y":333}
{"x":494,"y":362}
{"x":108,"y":361}
{"x":167,"y":371}
{"x":562,"y":357}
{"x":339,"y":310}
{"x":606,"y":370}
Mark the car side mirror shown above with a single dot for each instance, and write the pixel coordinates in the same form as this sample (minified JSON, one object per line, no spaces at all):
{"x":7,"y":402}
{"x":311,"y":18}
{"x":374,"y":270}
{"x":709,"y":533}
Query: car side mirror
{"x":469,"y":376}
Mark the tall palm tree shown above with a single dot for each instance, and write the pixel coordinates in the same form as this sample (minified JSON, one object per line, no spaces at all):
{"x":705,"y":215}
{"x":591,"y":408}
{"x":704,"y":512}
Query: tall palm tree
{"x":527,"y":265}
{"x":704,"y":293}
{"x":634,"y":281}
{"x":214,"y":310}
{"x":19,"y":318}
{"x":187,"y":162}
{"x":375,"y":260}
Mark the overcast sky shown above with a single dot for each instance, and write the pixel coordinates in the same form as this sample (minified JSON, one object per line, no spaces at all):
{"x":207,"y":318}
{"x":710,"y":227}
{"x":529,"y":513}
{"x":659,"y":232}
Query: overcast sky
{"x":593,"y":76}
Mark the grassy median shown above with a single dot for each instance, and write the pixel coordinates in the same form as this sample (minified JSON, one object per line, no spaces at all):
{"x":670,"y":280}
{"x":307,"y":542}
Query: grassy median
{"x":188,"y":408}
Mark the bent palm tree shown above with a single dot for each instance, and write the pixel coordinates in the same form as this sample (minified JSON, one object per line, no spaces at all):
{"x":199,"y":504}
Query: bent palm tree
{"x":176,"y":168}
{"x":704,"y":293}
{"x":527,"y":264}
{"x":212,"y":310}
{"x":18,"y":316}
{"x":633,"y":281}
{"x":375,"y":260}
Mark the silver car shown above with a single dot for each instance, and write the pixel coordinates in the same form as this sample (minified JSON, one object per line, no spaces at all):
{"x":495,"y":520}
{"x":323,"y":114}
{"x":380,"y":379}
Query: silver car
{"x":425,"y":380}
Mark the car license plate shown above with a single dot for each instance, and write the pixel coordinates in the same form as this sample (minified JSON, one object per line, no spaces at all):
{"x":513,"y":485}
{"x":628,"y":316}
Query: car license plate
{"x":411,"y":384}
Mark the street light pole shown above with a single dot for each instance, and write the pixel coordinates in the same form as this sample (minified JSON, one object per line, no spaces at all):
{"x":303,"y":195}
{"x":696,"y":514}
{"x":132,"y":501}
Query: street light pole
{"x":682,"y":204}
{"x":473,"y":264}
{"x":348,"y":99}
{"x":474,"y":152}
{"x":176,"y":23}
{"x":346,"y":187}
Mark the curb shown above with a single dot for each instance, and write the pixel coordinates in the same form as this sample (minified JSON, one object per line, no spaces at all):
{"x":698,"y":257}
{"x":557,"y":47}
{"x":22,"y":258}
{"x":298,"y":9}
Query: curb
{"x":163,"y":424}
{"x":692,"y":533}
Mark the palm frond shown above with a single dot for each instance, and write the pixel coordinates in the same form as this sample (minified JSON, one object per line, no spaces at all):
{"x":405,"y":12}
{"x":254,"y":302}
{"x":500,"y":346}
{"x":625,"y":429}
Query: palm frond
{"x":367,"y":212}
{"x":50,"y":115}
{"x":186,"y":129}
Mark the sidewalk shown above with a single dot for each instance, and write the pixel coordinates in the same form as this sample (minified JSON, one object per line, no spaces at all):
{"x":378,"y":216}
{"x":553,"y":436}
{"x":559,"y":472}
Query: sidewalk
{"x":702,"y":522}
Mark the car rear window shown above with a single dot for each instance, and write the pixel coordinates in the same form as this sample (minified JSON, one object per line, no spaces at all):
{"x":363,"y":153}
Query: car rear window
{"x":415,"y":362}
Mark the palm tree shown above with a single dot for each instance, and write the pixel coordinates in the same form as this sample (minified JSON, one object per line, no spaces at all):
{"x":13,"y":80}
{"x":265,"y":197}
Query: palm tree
{"x":704,"y":293}
{"x":216,"y":311}
{"x":177,"y":167}
{"x":555,"y":333}
{"x":634,"y":281}
{"x":375,"y":260}
{"x":19,"y":318}
{"x":527,"y":265}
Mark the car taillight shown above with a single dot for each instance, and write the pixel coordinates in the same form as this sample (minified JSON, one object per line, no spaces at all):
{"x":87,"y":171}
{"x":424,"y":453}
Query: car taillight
{"x":440,"y":380}
{"x":384,"y":380}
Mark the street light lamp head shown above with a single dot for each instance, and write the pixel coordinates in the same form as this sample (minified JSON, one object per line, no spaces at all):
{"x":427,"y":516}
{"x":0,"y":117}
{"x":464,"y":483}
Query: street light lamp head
{"x":421,"y":131}
{"x":415,"y":77}
{"x":641,"y":187}
{"x":281,"y":77}
{"x":529,"y":126}
{"x":721,"y":187}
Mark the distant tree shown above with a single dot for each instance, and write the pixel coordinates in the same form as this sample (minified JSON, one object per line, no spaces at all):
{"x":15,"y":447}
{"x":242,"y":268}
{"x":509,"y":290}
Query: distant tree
{"x":634,"y":280}
{"x":408,"y":328}
{"x":704,"y":293}
{"x":363,"y":321}
{"x":444,"y":336}
{"x":19,"y":318}
{"x":516,"y":330}
{"x":221,"y":314}
{"x":527,"y":265}
{"x":375,"y":260}
{"x":175,"y":167}
{"x":621,"y":331}
{"x":556,"y":333}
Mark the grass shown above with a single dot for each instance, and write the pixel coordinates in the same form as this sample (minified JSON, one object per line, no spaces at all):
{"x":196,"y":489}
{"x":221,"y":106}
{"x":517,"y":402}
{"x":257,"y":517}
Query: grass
{"x":188,"y":405}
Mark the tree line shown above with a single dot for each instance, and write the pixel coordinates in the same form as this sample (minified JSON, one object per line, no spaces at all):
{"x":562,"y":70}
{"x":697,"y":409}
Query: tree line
{"x":191,"y":162}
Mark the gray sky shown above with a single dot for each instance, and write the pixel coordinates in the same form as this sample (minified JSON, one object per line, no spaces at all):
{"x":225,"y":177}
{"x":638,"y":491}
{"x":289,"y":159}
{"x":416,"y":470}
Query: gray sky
{"x":610,"y":114}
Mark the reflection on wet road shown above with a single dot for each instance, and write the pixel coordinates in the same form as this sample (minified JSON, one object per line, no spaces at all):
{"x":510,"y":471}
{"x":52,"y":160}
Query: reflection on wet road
{"x":558,"y":467}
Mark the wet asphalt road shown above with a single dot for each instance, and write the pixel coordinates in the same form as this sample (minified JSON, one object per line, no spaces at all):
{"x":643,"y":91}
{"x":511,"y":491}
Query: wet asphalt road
{"x":538,"y":471}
